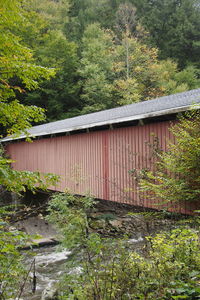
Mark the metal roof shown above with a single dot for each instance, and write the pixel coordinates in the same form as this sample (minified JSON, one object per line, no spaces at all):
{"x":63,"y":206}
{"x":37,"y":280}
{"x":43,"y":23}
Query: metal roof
{"x":136,"y":111}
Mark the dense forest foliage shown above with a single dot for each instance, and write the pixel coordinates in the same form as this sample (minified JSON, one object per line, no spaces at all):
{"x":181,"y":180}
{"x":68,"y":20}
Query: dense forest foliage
{"x":108,"y":53}
{"x":76,"y":56}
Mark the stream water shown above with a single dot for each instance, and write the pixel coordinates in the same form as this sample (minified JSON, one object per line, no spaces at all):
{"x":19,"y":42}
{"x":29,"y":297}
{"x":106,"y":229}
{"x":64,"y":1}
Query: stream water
{"x":49,"y":267}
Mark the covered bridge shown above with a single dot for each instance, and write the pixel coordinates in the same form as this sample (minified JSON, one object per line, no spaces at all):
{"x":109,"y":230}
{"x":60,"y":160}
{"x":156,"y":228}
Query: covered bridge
{"x":95,"y":153}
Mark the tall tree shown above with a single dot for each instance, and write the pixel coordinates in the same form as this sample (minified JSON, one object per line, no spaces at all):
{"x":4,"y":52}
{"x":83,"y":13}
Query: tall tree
{"x":102,"y":69}
{"x":96,"y":69}
{"x":122,"y":71}
{"x":86,"y":12}
{"x":173,"y":26}
{"x":58,"y":96}
{"x":16,"y":61}
{"x":16,"y":65}
{"x":142,"y":76}
{"x":126,"y":18}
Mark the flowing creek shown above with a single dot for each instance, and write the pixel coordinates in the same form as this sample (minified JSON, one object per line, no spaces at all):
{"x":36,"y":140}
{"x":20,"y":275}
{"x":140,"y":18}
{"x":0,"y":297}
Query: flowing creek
{"x":50,"y":262}
{"x":49,"y":267}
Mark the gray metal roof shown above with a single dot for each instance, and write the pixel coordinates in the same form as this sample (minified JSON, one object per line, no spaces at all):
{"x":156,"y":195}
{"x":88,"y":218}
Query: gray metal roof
{"x":136,"y":111}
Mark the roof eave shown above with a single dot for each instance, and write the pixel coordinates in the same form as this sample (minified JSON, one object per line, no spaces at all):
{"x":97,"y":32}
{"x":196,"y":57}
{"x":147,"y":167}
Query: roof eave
{"x":110,"y":122}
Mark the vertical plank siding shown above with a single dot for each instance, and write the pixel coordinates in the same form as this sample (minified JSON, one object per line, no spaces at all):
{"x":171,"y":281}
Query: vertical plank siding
{"x":99,"y":163}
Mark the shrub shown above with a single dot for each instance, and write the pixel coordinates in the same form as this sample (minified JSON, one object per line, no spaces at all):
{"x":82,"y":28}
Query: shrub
{"x":107,"y":269}
{"x":177,"y":171}
{"x":12,"y":273}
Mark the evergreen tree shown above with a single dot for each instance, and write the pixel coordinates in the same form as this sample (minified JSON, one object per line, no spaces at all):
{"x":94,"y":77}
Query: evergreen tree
{"x":86,"y":12}
{"x":174,"y":28}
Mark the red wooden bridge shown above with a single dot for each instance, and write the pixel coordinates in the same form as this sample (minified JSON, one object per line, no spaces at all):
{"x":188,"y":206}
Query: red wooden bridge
{"x":95,"y":153}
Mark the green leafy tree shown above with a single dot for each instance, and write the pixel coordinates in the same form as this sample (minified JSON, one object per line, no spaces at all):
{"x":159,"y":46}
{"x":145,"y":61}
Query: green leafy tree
{"x":55,"y":13}
{"x":11,"y":271}
{"x":120,"y":70}
{"x":110,"y":269}
{"x":134,"y":65}
{"x":173,"y":26}
{"x":171,"y":80}
{"x":115,"y":68}
{"x":16,"y":65}
{"x":143,"y":76}
{"x":87,"y":12}
{"x":96,"y":69}
{"x":177,"y":175}
{"x":60,"y":95}
{"x":16,"y":61}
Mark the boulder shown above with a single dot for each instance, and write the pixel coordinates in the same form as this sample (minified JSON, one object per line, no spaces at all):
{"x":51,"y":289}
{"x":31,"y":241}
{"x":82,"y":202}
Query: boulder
{"x":116,"y":223}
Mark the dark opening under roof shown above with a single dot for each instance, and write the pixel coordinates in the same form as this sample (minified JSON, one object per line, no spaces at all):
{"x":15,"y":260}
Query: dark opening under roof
{"x":136,"y":111}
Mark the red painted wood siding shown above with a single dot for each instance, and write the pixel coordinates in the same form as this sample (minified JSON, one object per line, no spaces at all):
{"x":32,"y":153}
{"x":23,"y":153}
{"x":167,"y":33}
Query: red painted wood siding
{"x":98,"y":162}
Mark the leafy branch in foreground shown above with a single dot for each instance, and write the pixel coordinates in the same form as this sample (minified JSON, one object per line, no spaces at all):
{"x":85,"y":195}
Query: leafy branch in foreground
{"x":17,"y":65}
{"x":19,"y":181}
{"x":177,"y":171}
{"x":18,"y":73}
{"x":11,"y":269}
{"x":69,"y":214}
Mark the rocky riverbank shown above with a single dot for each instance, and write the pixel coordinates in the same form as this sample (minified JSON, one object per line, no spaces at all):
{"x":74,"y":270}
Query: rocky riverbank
{"x":108,"y":219}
